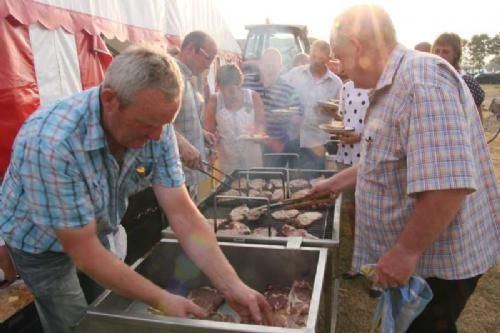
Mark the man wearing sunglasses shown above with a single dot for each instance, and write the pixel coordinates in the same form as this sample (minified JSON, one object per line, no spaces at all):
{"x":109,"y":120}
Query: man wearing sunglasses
{"x":198,"y":50}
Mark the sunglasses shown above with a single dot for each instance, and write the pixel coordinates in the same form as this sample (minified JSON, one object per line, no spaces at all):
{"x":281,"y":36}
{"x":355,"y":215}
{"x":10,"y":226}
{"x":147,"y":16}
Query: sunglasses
{"x":206,"y":55}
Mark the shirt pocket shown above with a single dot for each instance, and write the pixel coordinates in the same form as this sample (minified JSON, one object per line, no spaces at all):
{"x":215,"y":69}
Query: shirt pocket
{"x":140,"y":177}
{"x":99,"y":195}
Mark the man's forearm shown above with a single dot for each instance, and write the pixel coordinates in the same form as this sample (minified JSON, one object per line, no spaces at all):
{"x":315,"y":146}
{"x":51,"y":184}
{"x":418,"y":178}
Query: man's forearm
{"x":345,"y":180}
{"x":433,"y":213}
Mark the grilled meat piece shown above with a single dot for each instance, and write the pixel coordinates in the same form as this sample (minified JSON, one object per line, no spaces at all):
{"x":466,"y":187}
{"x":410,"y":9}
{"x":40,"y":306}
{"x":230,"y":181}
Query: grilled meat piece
{"x":277,"y":183}
{"x":239,"y":213}
{"x":289,"y":231}
{"x":300,"y":194}
{"x":298,"y":184}
{"x":264,"y":231}
{"x":234,"y":229}
{"x":285,"y":215}
{"x":207,"y":298}
{"x":277,"y":195}
{"x":305,"y":219}
{"x":255,"y":213}
{"x":257,"y":184}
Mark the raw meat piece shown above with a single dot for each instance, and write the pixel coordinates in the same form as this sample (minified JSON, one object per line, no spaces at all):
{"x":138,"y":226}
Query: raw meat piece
{"x":299,"y":300}
{"x":207,"y":298}
{"x":239,"y":213}
{"x":298,"y":184}
{"x":277,"y":297}
{"x":223,"y":317}
{"x":289,"y":231}
{"x":305,"y":219}
{"x":234,"y":229}
{"x":264,"y":231}
{"x":286,"y":214}
{"x":300,"y":194}
{"x":277,"y":195}
{"x":257,"y":184}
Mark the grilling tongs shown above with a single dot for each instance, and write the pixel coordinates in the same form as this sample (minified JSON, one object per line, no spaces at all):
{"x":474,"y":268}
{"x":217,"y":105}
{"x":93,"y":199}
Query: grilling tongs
{"x":304,"y":202}
{"x":209,"y":174}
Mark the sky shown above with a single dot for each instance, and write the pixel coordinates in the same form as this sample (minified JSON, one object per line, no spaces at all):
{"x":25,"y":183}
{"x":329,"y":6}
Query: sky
{"x":415,"y":21}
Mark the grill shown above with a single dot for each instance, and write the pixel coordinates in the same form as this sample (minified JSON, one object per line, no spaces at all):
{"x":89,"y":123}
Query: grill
{"x":257,"y":265}
{"x":219,"y":206}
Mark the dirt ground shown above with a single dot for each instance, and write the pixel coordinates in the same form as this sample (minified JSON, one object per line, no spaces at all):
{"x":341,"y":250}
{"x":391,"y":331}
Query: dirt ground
{"x":481,"y":314}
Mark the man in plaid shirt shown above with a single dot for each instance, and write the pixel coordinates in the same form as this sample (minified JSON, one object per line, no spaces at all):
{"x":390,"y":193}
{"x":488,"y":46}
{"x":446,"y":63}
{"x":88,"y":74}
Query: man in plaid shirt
{"x":74,"y":164}
{"x":427,"y":201}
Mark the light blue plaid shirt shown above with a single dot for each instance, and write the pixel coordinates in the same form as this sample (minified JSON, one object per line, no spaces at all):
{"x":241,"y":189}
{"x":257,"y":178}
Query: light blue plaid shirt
{"x":62,"y":175}
{"x":423,"y":133}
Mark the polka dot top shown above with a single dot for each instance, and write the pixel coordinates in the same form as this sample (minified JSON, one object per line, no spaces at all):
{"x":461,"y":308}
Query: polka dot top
{"x":354,"y":105}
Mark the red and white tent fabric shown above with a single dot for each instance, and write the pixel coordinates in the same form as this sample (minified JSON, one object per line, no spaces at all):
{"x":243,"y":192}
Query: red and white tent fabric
{"x":53,"y":48}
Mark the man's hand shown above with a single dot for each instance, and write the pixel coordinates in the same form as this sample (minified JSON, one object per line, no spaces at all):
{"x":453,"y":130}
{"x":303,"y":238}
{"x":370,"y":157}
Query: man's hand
{"x":177,"y":306}
{"x":395,"y":268}
{"x":190,"y":156}
{"x":350,"y":138}
{"x":210,"y":139}
{"x":250,"y":305}
{"x":7,"y":266}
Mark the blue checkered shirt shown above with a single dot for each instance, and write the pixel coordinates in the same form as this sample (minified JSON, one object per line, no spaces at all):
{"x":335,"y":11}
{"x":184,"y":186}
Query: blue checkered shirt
{"x":423,"y":133}
{"x":62,"y":175}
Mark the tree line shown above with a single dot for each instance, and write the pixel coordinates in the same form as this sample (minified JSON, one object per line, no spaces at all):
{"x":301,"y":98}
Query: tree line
{"x":481,"y":53}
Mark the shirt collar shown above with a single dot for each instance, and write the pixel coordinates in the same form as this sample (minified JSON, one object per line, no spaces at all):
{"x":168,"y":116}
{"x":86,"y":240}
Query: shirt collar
{"x":391,"y":67}
{"x":94,"y":135}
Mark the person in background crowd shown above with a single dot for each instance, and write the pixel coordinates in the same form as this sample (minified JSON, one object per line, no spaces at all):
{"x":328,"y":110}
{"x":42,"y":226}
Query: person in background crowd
{"x":427,"y":201}
{"x":275,"y":94}
{"x":449,"y":47}
{"x":299,"y":60}
{"x":314,"y":83}
{"x":230,"y":113}
{"x":423,"y":47}
{"x":74,"y":164}
{"x":197,"y":52}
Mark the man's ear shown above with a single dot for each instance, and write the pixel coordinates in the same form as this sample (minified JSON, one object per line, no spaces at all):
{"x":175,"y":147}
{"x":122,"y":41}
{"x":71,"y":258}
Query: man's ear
{"x":109,"y":100}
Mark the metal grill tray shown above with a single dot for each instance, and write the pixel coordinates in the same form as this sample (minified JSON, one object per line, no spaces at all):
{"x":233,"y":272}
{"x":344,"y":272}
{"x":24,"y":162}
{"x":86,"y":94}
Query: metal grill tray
{"x":257,"y":265}
{"x":326,"y":229}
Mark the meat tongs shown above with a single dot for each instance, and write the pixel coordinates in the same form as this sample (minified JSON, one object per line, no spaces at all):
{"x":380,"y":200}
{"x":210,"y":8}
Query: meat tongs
{"x":304,"y":202}
{"x":209,"y":174}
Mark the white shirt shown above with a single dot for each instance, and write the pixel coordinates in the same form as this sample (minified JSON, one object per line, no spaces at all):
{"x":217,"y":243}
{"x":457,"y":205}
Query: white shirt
{"x":311,"y":91}
{"x":353,"y":109}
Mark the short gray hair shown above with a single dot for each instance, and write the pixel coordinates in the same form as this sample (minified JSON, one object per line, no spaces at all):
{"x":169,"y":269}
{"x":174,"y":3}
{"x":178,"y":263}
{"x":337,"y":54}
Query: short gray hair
{"x":140,"y":67}
{"x":370,"y":24}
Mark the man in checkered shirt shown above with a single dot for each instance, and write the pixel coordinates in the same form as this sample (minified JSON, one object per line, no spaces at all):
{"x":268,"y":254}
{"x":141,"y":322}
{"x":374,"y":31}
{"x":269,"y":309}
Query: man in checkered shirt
{"x":74,"y":164}
{"x":427,"y":201}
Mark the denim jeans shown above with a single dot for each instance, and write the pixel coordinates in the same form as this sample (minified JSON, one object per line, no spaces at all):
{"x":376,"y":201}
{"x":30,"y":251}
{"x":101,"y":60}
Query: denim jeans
{"x":53,"y":280}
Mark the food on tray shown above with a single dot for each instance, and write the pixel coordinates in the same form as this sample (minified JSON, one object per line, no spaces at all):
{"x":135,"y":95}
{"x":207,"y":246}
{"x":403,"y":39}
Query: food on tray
{"x":207,"y":298}
{"x":290,"y":306}
{"x":223,"y":317}
{"x":305,"y":219}
{"x":299,"y":300}
{"x":298,"y":184}
{"x":336,"y":125}
{"x":285,"y":214}
{"x":300,"y":194}
{"x":289,"y":231}
{"x":239,"y":213}
{"x":234,"y":229}
{"x":264,"y":231}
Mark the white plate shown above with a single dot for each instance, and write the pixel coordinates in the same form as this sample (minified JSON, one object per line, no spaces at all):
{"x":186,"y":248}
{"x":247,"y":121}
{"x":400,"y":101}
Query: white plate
{"x":332,"y":105}
{"x":335,"y":130}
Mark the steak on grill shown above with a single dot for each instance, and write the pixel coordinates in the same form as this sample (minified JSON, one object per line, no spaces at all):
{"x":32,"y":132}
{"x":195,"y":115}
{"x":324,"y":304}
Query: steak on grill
{"x":207,"y":298}
{"x":305,"y":219}
{"x":285,"y":215}
{"x":239,"y":213}
{"x":233,"y":229}
{"x":300,"y":194}
{"x":264,"y":231}
{"x":277,"y":195}
{"x":277,"y":183}
{"x":255,"y":213}
{"x":297,"y":184}
{"x":257,"y":184}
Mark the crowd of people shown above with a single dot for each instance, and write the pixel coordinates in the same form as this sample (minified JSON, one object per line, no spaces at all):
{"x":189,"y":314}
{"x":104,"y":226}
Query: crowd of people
{"x":416,"y":174}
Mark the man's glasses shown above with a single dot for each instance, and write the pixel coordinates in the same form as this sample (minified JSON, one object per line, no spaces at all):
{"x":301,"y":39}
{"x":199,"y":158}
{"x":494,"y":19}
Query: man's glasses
{"x":206,"y":55}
